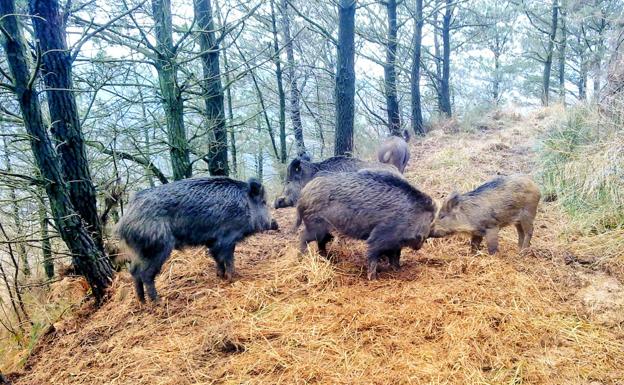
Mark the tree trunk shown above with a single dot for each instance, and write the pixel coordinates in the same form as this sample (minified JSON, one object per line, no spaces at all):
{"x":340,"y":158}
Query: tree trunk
{"x":345,"y":78}
{"x":167,"y":69}
{"x":562,"y":59}
{"x":86,"y":255}
{"x":582,"y":82}
{"x":417,"y":119}
{"x":46,"y":247}
{"x":146,"y":134}
{"x":260,"y":154}
{"x":228,"y":92}
{"x":212,"y":89}
{"x":280,"y":88}
{"x":17,"y":217}
{"x":445,"y":88}
{"x":597,"y":85}
{"x":496,"y":83}
{"x":295,"y":108}
{"x":549,"y":54}
{"x":66,"y":128}
{"x":436,"y":50}
{"x":392,"y":100}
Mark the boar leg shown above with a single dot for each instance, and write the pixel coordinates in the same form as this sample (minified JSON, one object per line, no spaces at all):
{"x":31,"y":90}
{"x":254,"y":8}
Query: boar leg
{"x":520,"y":235}
{"x":224,"y":258}
{"x":322,"y":244}
{"x":527,"y":226}
{"x":305,"y":238}
{"x":310,"y":235}
{"x":394,"y":257}
{"x":153,"y":268}
{"x":373,"y":261}
{"x":138,"y":282}
{"x":220,"y":265}
{"x":475,"y":242}
{"x":380,"y":240}
{"x":227,"y":256}
{"x":491,"y":238}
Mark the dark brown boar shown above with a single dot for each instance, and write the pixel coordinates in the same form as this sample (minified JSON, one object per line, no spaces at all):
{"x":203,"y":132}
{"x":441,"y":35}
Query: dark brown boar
{"x":377,"y":206}
{"x":301,"y":171}
{"x":394,"y":151}
{"x":484,"y":211}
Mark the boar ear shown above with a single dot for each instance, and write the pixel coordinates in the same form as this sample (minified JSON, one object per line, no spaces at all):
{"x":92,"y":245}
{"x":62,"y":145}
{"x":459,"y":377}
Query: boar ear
{"x":406,"y":135}
{"x":305,"y":157}
{"x":255,"y":188}
{"x":295,"y":165}
{"x":452,"y":200}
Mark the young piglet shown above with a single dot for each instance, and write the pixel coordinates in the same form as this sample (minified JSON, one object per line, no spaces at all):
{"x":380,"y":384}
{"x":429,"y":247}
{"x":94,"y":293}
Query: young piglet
{"x":484,"y":211}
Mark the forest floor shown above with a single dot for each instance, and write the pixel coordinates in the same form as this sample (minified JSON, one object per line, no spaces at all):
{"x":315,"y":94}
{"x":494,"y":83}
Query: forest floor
{"x":548,"y":315}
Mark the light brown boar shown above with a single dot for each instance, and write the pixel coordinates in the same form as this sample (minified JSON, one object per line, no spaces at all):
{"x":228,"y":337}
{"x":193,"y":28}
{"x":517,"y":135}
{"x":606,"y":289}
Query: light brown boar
{"x":501,"y":202}
{"x":394,"y":151}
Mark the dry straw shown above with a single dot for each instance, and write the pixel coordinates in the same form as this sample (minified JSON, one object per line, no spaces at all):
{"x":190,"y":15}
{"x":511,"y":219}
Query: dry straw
{"x":448,"y":317}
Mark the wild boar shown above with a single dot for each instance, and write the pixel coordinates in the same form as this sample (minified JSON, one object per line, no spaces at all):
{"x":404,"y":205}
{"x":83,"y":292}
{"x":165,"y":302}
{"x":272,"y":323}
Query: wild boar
{"x":214,"y":212}
{"x":484,"y":211}
{"x":395,"y":151}
{"x":301,"y":171}
{"x":377,"y":206}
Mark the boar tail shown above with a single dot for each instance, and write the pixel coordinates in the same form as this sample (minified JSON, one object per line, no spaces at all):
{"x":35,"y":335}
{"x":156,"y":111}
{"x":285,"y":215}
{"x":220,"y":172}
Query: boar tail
{"x":385,"y":157}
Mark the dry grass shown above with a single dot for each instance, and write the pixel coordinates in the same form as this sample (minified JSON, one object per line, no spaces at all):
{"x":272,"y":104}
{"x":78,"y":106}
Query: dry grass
{"x":447,"y":317}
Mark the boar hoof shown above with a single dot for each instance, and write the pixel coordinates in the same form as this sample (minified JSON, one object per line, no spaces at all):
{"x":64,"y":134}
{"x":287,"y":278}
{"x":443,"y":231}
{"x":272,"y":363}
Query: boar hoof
{"x":372,"y":275}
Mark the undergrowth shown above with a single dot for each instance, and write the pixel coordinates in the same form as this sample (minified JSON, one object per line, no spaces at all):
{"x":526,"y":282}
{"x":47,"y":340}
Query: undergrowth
{"x":581,"y":165}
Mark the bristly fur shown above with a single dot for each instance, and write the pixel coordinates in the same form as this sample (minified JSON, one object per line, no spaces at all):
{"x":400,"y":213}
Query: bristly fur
{"x":482,"y":212}
{"x":490,"y":185}
{"x":215,"y":212}
{"x":377,"y":206}
{"x":301,"y":171}
{"x":394,"y":180}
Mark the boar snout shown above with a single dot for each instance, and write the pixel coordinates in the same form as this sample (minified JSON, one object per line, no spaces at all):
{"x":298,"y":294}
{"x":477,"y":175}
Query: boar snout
{"x":281,"y":202}
{"x":438,"y":232}
{"x":274,"y":225}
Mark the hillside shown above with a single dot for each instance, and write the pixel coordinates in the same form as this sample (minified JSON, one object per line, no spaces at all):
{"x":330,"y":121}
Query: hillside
{"x":547,"y":315}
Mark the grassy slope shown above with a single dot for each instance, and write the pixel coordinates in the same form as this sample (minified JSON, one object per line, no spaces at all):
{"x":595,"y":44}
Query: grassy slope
{"x":446,"y":317}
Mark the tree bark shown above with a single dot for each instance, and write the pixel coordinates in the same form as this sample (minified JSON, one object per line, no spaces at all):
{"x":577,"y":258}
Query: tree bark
{"x":212,"y":89}
{"x":392,"y":100}
{"x":582,"y":59}
{"x":295,"y":95}
{"x":444,"y":87}
{"x":146,"y":134}
{"x":597,"y":79}
{"x":496,"y":83}
{"x":228,"y":93}
{"x":280,"y":88}
{"x":46,"y":247}
{"x":417,"y":119}
{"x":86,"y":255}
{"x":549,"y":53}
{"x":345,"y":78}
{"x":66,"y":128}
{"x":173,"y":105}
